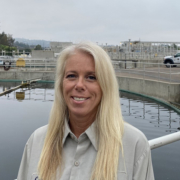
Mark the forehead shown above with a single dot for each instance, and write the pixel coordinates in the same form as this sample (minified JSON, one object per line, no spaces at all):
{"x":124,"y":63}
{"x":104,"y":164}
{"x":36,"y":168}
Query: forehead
{"x":80,"y":60}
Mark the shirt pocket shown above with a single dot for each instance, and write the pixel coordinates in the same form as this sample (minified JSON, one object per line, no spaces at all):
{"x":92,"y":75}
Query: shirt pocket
{"x":34,"y":176}
{"x":122,"y":176}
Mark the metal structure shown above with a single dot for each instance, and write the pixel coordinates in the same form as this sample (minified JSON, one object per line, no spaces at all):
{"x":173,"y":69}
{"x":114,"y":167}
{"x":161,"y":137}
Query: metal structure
{"x":136,"y":69}
{"x":31,"y":65}
{"x":153,"y":71}
{"x":149,"y":46}
{"x":164,"y":140}
{"x":126,"y":50}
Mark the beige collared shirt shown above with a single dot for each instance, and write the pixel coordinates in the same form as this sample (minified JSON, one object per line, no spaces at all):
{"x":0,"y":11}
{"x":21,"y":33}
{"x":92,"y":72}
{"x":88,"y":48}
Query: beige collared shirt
{"x":79,"y":155}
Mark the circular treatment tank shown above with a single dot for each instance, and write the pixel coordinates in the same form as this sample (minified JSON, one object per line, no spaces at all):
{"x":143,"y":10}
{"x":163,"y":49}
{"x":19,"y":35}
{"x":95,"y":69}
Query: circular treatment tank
{"x":19,"y":118}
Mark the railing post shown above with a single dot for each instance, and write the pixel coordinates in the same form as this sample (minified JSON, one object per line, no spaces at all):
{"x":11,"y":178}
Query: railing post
{"x":170,"y":74}
{"x":125,"y":61}
{"x":159,"y":71}
{"x":144,"y":70}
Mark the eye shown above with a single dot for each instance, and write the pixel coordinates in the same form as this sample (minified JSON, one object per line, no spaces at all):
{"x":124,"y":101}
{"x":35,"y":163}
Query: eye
{"x":92,"y":77}
{"x":69,"y":76}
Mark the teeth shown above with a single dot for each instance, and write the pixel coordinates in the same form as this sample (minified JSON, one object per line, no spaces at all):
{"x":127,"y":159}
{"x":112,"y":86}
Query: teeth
{"x":79,"y":99}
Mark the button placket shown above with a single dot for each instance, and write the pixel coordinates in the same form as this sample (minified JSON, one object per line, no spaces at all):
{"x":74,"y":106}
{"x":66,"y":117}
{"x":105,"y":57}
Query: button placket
{"x":78,"y":152}
{"x":73,"y":137}
{"x":76,"y":163}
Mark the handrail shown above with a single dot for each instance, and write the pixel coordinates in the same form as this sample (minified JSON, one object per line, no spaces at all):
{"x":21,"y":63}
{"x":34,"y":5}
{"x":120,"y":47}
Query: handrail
{"x":161,"y":141}
{"x":148,"y":70}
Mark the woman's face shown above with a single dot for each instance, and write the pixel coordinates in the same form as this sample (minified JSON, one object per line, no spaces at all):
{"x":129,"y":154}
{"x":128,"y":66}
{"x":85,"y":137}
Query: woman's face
{"x":81,"y":89}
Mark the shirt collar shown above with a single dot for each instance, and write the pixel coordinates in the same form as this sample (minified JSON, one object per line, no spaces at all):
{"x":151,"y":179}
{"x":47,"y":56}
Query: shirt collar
{"x":90,"y":132}
{"x":66,"y":131}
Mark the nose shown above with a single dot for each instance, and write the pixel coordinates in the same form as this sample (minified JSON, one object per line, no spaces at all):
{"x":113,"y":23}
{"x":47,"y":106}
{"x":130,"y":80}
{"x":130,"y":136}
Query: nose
{"x":80,"y":86}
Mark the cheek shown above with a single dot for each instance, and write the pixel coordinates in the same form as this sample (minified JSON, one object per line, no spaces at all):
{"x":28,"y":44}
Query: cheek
{"x":100,"y":96}
{"x":67,"y":88}
{"x":98,"y":93}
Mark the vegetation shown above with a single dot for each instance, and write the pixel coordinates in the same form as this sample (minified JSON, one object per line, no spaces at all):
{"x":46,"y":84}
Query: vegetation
{"x":6,"y":39}
{"x":7,"y":48}
{"x":175,"y":46}
{"x":8,"y":44}
{"x":20,"y":45}
{"x":23,"y":46}
{"x":38,"y":47}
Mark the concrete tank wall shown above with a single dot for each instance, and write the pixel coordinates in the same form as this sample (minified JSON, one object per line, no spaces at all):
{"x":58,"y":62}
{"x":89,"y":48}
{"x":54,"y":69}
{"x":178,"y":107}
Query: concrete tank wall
{"x":41,"y":54}
{"x":162,"y":90}
{"x":22,"y":76}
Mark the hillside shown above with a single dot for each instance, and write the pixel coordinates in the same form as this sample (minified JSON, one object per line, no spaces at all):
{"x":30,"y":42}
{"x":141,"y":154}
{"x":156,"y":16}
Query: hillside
{"x":43,"y":43}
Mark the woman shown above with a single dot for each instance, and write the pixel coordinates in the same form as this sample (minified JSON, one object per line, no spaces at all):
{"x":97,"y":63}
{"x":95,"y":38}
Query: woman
{"x":86,"y":137}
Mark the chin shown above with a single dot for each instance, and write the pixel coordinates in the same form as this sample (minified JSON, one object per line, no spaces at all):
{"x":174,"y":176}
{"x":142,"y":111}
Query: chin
{"x":79,"y":113}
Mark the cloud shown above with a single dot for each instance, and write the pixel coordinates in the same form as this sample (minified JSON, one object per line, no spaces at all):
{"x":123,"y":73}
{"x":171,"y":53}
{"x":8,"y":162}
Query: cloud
{"x":96,"y":20}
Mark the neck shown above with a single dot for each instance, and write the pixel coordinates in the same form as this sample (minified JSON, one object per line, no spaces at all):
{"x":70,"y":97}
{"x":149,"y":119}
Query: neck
{"x":79,"y":124}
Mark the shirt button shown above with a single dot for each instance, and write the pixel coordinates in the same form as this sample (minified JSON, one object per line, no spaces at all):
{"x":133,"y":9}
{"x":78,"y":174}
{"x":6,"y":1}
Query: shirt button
{"x":76,"y":163}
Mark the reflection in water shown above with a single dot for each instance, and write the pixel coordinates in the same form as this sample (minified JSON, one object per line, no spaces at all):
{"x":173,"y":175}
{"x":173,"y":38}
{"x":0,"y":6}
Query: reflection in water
{"x":135,"y":106}
{"x":20,"y":96}
{"x":141,"y":108}
{"x":20,"y":118}
{"x":155,"y":120}
{"x":37,"y":91}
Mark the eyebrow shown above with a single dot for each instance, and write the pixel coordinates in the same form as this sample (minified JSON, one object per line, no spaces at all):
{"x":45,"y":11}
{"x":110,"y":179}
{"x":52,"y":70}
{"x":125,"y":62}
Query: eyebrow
{"x":88,"y":72}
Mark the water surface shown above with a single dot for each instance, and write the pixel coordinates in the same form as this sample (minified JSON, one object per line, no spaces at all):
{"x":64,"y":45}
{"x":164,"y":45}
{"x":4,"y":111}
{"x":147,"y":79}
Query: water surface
{"x":25,"y":110}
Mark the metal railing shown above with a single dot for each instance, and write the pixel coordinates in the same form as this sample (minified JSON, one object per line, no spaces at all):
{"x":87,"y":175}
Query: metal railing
{"x":30,"y":65}
{"x":138,"y":55}
{"x":153,"y":71}
{"x":161,"y":141}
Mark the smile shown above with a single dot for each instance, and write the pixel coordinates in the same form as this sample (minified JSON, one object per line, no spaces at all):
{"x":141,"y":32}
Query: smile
{"x":79,"y":98}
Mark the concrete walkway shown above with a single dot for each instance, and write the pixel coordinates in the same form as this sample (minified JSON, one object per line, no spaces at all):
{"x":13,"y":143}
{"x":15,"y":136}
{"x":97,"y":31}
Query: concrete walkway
{"x":156,"y":74}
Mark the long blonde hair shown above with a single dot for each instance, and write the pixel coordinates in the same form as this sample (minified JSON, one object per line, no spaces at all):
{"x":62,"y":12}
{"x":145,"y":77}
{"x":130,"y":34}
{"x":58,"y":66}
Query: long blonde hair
{"x":109,"y":119}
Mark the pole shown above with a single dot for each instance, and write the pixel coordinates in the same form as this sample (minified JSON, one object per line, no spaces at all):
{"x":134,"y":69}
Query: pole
{"x":170,"y":74}
{"x":159,"y":71}
{"x":161,"y":141}
{"x":125,"y":61}
{"x":144,"y":69}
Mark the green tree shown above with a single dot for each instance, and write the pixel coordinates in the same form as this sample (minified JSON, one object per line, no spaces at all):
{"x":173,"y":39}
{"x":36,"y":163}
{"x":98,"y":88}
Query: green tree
{"x":6,"y":43}
{"x":21,"y":45}
{"x":6,"y":39}
{"x":38,"y":47}
{"x":8,"y":49}
{"x":10,"y":40}
{"x":3,"y":39}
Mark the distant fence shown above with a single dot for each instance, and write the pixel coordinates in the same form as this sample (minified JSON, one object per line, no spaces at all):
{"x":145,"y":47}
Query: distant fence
{"x":30,"y":65}
{"x":113,"y":55}
{"x":138,"y":55}
{"x":136,"y":69}
{"x":154,"y":71}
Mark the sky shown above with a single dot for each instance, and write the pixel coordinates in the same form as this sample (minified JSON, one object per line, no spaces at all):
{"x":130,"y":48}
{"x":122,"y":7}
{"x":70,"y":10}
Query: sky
{"x":99,"y":21}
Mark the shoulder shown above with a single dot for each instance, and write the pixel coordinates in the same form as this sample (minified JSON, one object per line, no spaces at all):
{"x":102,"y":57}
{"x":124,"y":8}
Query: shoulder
{"x":32,"y":153}
{"x":40,"y":132}
{"x":132,"y":134}
{"x":135,"y":142}
{"x":37,"y":137}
